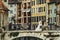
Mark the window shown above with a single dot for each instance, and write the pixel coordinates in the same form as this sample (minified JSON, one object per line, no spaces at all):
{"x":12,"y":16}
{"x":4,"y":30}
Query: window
{"x":44,"y":18}
{"x":33,"y":3}
{"x":48,"y":20}
{"x":43,"y":1}
{"x":39,"y":18}
{"x":33,"y":10}
{"x":5,"y":0}
{"x":34,"y":19}
{"x":49,"y":12}
{"x":29,"y":6}
{"x":44,"y":8}
{"x":29,"y":19}
{"x":24,"y":13}
{"x":11,"y":5}
{"x":11,"y":11}
{"x":25,"y":6}
{"x":58,"y":8}
{"x":19,"y":14}
{"x":29,"y":3}
{"x":54,"y":10}
{"x":40,"y":1}
{"x":34,"y":26}
{"x":24,"y":20}
{"x":19,"y":6}
{"x":40,"y":9}
{"x":15,"y":9}
{"x":54,"y":19}
{"x":29,"y":13}
{"x":19,"y":20}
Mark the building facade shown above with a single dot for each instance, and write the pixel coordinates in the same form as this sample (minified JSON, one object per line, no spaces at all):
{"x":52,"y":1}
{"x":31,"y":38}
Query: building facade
{"x":20,"y":11}
{"x":52,"y":14}
{"x":30,"y":12}
{"x":3,"y":15}
{"x":38,"y":12}
{"x":57,"y":13}
{"x":23,"y":16}
{"x":12,"y":9}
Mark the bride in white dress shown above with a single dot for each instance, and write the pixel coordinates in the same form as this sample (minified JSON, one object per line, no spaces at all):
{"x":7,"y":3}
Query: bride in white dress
{"x":39,"y":26}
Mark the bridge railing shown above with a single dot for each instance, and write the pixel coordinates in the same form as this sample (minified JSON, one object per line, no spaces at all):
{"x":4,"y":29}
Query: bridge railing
{"x":32,"y":31}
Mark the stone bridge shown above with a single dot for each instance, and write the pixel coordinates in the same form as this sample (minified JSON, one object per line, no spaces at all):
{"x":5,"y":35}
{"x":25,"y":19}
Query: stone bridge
{"x":9,"y":35}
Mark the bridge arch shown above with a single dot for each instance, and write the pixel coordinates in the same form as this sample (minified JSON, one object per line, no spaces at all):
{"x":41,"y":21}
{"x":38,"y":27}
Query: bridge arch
{"x":28,"y":38}
{"x":36,"y":35}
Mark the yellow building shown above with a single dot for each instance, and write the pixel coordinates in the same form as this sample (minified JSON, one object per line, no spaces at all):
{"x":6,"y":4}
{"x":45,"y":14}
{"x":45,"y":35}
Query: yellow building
{"x":38,"y":12}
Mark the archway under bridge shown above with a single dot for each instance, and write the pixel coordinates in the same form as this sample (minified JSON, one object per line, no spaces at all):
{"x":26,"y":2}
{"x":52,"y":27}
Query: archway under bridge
{"x":27,"y":38}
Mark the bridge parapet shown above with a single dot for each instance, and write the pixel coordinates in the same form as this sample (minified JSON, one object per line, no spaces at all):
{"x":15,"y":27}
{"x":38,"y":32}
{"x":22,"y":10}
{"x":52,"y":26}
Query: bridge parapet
{"x":32,"y":33}
{"x":27,"y":31}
